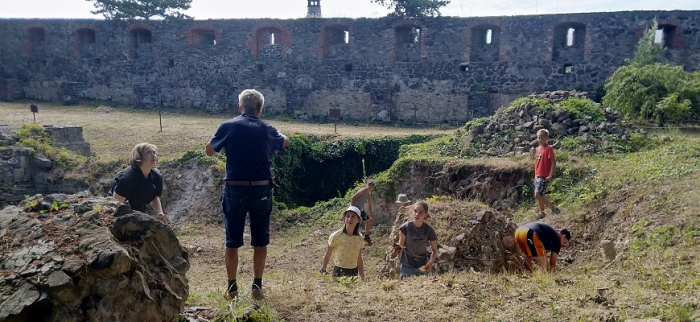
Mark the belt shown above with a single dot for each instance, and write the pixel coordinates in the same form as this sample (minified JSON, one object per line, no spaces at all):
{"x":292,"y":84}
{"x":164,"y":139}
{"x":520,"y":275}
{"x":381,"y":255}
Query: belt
{"x":247,"y":183}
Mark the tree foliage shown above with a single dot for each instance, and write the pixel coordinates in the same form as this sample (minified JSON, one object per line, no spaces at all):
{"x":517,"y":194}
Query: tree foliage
{"x":413,"y":8}
{"x":145,"y":9}
{"x":649,"y":90}
{"x":659,"y":92}
{"x":648,"y":52}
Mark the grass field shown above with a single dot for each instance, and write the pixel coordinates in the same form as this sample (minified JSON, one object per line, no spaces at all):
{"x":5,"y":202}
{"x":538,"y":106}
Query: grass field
{"x":112,"y":135}
{"x":646,"y":203}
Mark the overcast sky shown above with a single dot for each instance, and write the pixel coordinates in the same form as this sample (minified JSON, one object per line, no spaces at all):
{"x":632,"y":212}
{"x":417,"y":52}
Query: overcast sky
{"x":221,"y":9}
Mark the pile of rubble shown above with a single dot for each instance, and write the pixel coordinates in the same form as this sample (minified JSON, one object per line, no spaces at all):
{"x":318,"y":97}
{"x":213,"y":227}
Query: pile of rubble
{"x":470,"y":238}
{"x":513,"y":129}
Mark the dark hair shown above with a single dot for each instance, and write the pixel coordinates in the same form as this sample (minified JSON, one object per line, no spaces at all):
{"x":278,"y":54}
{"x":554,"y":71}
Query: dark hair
{"x":356,"y":232}
{"x":422,"y":204}
{"x":566,"y":233}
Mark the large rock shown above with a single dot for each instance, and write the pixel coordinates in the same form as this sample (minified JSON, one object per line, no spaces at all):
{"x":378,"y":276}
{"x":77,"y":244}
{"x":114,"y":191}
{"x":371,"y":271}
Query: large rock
{"x":78,"y":265}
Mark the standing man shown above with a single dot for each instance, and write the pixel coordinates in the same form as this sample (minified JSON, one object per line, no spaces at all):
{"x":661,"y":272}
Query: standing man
{"x":535,"y":239}
{"x":248,"y":142}
{"x":361,"y":198}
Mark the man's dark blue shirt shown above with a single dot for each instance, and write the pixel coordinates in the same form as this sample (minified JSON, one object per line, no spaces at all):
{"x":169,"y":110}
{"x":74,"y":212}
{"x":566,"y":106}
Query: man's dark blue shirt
{"x":248,"y":141}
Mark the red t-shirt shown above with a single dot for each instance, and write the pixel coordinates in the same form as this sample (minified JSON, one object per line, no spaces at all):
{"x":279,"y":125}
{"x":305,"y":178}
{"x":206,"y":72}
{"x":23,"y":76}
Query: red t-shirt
{"x":543,"y":161}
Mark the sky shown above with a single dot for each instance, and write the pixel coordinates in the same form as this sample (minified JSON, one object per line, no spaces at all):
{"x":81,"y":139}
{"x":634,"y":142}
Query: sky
{"x":285,"y":9}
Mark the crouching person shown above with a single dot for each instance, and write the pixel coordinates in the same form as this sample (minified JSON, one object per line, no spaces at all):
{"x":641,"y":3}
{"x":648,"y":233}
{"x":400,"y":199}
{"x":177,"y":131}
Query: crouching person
{"x":535,"y":239}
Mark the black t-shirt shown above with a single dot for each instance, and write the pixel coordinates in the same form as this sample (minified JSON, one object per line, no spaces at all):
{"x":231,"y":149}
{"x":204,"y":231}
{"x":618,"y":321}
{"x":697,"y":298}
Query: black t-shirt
{"x":248,"y":142}
{"x":549,"y":237}
{"x":137,"y":189}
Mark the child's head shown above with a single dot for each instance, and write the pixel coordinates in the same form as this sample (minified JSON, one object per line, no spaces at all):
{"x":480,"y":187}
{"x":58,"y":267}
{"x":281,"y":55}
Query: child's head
{"x":370,"y":184}
{"x":565,"y":234}
{"x":420,"y":211}
{"x":352,"y":216}
{"x":542,"y":137}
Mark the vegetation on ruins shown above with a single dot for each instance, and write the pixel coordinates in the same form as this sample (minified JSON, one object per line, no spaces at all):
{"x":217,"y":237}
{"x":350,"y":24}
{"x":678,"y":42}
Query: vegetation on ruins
{"x":36,"y":137}
{"x":141,"y":9}
{"x":413,"y":8}
{"x":649,"y":90}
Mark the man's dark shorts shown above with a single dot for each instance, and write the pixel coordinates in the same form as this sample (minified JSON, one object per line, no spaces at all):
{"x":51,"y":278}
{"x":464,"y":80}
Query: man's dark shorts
{"x":541,"y":184}
{"x":364,"y":214}
{"x":238,"y":201}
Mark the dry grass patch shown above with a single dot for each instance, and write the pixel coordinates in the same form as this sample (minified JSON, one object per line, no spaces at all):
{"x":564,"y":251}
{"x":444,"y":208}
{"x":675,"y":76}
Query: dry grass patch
{"x":657,"y":274}
{"x":112,"y":135}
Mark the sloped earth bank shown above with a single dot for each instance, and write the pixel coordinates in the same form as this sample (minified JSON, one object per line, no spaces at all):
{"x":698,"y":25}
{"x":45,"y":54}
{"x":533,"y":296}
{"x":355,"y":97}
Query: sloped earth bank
{"x":497,"y":183}
{"x":85,"y":258}
{"x":192,"y":193}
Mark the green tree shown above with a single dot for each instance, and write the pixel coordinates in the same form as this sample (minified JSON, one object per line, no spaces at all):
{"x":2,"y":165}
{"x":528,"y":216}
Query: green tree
{"x":650,"y":90}
{"x":413,"y":8}
{"x":657,"y":92}
{"x":135,"y":9}
{"x":649,"y":52}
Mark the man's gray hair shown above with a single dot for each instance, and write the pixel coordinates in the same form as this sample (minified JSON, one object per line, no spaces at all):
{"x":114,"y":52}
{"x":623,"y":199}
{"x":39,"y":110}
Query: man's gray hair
{"x":250,"y":100}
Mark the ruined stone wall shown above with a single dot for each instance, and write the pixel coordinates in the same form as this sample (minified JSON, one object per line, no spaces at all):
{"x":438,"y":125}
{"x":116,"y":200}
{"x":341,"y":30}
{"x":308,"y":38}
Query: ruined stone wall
{"x":24,"y":172}
{"x":431,"y":70}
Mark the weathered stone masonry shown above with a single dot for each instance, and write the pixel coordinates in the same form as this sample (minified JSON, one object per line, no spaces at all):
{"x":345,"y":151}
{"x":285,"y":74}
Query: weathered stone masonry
{"x":431,"y":70}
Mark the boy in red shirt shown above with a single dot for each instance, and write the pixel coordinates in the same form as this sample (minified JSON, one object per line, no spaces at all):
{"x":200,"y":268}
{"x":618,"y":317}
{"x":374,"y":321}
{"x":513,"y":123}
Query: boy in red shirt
{"x":545,"y":165}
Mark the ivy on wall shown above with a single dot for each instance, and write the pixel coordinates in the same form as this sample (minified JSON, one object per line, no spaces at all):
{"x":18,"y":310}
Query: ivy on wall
{"x":317,"y":168}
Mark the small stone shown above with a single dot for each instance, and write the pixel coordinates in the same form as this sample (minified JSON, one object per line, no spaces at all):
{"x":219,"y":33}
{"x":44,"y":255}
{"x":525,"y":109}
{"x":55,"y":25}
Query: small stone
{"x":608,"y":249}
{"x":199,"y":249}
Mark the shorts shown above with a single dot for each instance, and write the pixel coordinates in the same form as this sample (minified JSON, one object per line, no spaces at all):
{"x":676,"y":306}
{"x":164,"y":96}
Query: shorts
{"x":529,"y":242}
{"x":407,"y":270}
{"x":339,"y":271}
{"x":364,"y":214}
{"x":254,"y":201}
{"x":541,"y":184}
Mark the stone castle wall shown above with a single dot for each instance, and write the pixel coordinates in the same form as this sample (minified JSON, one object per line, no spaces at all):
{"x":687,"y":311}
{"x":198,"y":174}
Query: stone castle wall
{"x":431,"y":70}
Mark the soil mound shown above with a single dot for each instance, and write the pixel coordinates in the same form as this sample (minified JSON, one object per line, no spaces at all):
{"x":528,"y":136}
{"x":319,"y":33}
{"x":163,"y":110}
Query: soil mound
{"x":470,"y":237}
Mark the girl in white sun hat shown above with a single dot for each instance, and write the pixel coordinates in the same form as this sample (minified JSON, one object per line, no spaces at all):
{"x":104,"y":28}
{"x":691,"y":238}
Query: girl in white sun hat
{"x":345,"y":247}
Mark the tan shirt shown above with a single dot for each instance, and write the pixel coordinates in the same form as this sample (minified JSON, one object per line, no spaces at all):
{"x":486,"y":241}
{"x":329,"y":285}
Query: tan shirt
{"x":346,"y":249}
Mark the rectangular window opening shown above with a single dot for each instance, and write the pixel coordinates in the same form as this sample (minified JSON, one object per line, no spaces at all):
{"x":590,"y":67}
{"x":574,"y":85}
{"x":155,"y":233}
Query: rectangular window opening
{"x":489,"y":35}
{"x":272,"y":39}
{"x":659,"y":36}
{"x":416,"y":34}
{"x":348,"y":67}
{"x":568,"y":68}
{"x":261,"y":68}
{"x":570,"y":37}
{"x":347,"y":37}
{"x":463,"y":68}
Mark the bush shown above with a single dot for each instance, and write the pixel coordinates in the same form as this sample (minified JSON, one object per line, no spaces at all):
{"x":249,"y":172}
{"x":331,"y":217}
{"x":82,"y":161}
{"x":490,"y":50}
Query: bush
{"x":648,"y":90}
{"x":659,"y":92}
{"x":582,"y":107}
{"x":542,"y":104}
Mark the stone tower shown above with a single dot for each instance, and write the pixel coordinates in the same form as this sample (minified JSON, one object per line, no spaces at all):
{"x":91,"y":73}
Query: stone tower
{"x":313,"y":9}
